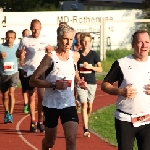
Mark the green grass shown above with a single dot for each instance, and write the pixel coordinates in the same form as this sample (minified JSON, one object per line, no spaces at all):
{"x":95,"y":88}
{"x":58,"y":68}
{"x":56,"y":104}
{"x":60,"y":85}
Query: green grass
{"x":19,"y":85}
{"x":102,"y":122}
{"x":100,"y":77}
{"x":111,"y":56}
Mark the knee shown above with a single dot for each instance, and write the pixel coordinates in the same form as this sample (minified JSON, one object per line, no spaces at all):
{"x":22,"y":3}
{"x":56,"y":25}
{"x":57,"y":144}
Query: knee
{"x":89,"y":107}
{"x":84,"y":105}
{"x":11,"y":94}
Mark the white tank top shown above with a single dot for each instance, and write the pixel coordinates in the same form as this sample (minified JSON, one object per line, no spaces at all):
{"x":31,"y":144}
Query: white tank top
{"x":60,"y":98}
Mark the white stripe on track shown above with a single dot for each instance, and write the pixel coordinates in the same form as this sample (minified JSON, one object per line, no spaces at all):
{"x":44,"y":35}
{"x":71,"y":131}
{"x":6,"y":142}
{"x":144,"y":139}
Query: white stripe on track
{"x":20,"y":134}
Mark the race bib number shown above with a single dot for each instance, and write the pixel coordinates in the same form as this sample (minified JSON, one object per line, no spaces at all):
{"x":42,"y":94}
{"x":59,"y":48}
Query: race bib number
{"x":8,"y":66}
{"x":140,"y":120}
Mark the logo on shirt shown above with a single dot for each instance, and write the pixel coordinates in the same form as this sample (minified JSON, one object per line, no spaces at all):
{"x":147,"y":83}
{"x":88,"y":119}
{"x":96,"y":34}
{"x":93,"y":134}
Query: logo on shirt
{"x":129,"y":67}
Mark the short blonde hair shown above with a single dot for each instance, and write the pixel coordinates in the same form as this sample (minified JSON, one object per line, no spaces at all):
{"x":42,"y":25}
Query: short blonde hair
{"x":85,"y":34}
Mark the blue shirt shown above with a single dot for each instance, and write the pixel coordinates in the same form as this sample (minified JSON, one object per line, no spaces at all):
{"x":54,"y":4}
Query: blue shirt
{"x":8,"y":65}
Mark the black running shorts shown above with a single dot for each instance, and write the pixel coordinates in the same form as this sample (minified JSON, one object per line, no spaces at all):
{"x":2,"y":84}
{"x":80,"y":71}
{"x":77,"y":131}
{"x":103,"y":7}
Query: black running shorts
{"x":51,"y":116}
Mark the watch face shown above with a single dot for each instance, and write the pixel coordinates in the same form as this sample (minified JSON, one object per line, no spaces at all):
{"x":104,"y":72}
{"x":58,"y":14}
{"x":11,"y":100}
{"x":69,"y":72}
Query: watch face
{"x":53,"y":84}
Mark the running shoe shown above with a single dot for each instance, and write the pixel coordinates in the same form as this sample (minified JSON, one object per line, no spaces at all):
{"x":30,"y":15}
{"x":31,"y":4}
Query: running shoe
{"x":10,"y":118}
{"x":6,"y":117}
{"x":33,"y":126}
{"x":86,"y":132}
{"x":40,"y":127}
{"x":26,"y":109}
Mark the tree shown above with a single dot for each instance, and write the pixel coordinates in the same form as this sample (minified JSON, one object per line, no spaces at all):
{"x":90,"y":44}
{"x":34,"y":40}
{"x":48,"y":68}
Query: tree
{"x":146,"y":5}
{"x":146,"y":9}
{"x":30,"y":5}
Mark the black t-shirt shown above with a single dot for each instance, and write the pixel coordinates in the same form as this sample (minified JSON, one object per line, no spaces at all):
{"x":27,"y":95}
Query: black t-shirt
{"x":115,"y":74}
{"x":92,"y":58}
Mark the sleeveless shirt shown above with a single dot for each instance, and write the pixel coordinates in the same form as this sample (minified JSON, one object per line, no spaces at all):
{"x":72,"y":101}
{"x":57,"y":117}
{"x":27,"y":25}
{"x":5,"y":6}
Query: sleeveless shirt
{"x":60,"y":98}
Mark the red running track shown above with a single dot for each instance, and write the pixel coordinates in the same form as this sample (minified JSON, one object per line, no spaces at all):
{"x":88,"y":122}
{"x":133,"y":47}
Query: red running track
{"x":16,"y":136}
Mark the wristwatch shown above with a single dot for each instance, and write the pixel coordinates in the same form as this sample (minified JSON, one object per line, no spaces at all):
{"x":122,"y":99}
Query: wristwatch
{"x":53,"y":85}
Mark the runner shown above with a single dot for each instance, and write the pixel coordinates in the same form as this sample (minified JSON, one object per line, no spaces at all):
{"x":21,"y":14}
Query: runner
{"x":77,"y":44}
{"x":59,"y":94}
{"x":8,"y":74}
{"x":26,"y":108}
{"x":88,"y":64}
{"x":31,"y":51}
{"x":132,"y":115}
{"x":25,"y":32}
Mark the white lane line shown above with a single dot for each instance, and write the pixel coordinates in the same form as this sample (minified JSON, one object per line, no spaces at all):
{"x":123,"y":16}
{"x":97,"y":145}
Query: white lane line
{"x":23,"y":138}
{"x":20,"y":134}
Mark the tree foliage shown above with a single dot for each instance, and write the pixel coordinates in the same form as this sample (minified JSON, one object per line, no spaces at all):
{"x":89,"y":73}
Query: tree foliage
{"x":146,"y":5}
{"x":29,"y":5}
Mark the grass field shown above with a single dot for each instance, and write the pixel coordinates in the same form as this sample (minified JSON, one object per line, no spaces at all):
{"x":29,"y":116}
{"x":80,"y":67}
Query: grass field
{"x":102,"y":122}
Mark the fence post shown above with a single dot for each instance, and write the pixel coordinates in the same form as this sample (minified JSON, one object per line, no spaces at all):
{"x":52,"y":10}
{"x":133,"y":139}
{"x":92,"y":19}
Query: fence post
{"x":102,"y":40}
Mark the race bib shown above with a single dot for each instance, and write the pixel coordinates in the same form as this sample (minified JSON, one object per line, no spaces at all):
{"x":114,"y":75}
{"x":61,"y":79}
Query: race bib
{"x":67,"y":79}
{"x":140,"y":120}
{"x":8,"y":66}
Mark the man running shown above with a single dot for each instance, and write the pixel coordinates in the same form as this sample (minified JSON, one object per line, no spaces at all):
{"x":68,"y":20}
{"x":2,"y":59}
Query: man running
{"x":132,"y":73}
{"x":8,"y":74}
{"x":59,"y":99}
{"x":31,"y":51}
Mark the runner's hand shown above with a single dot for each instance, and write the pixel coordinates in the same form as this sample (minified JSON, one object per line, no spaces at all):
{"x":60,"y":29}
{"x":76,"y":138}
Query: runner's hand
{"x":62,"y":84}
{"x":22,"y":55}
{"x":23,"y":51}
{"x":3,"y":55}
{"x":128,"y":91}
{"x":49,"y":48}
{"x":87,"y":66}
{"x":82,"y":84}
{"x":147,"y":89}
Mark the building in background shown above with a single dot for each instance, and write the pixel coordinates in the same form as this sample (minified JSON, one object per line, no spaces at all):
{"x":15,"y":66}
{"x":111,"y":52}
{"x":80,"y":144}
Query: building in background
{"x":95,"y":5}
{"x":70,"y":6}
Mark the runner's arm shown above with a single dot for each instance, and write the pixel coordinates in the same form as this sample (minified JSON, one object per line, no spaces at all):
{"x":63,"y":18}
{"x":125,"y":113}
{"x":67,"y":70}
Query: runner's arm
{"x":44,"y":65}
{"x":115,"y":74}
{"x":76,"y":57}
{"x":97,"y":68}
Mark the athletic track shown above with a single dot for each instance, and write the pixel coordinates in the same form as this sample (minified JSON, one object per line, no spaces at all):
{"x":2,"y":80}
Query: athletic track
{"x":16,"y":136}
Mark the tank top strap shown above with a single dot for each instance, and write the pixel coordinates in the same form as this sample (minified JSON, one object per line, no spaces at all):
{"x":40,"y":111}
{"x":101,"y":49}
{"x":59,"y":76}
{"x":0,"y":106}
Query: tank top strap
{"x":71,"y":54}
{"x":54,"y":56}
